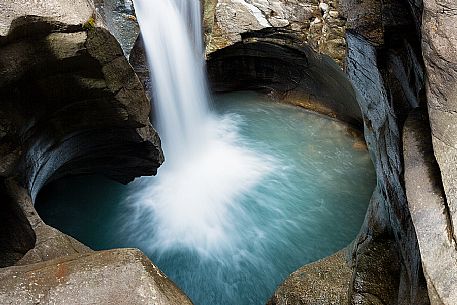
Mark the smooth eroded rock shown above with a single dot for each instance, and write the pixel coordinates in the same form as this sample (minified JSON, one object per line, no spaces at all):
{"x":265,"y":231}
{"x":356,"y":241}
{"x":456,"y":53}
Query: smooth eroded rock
{"x":279,"y":62}
{"x":325,"y":282}
{"x":439,"y":43}
{"x":121,"y":276}
{"x":430,"y":211}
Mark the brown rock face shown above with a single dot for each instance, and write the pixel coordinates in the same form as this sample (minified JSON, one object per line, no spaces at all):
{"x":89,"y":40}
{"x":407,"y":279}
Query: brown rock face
{"x":323,"y":282}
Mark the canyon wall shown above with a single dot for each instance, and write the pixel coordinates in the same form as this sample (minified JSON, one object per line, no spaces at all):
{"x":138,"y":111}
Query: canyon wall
{"x":70,"y":104}
{"x":435,"y":206}
{"x":379,"y":44}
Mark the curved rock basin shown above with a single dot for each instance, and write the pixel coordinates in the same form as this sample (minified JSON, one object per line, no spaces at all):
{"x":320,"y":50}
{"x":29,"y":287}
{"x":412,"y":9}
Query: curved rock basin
{"x":308,"y":201}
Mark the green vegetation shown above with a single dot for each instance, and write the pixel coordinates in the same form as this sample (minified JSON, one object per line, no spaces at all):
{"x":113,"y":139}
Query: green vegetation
{"x":89,"y":24}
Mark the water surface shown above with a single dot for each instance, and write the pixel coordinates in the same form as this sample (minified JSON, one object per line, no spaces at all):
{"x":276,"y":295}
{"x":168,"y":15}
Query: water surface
{"x":304,"y":198}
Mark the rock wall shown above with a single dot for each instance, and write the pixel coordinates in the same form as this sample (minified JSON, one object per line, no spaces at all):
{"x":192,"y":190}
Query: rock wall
{"x":439,"y":47}
{"x":277,"y":62}
{"x":387,"y":240}
{"x":319,"y":23}
{"x":429,"y":210}
{"x":385,"y":41}
{"x":70,"y":104}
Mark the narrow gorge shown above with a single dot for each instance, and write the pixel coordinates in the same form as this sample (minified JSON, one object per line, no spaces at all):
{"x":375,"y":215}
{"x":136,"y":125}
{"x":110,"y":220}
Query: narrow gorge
{"x":310,"y":160}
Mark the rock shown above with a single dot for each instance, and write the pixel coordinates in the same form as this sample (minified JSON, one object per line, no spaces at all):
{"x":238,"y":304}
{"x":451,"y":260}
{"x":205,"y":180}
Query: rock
{"x":363,"y":70}
{"x":324,"y":7}
{"x":430,"y":211}
{"x":209,"y":10}
{"x":71,"y":104}
{"x":17,"y":235}
{"x":364,"y":18}
{"x":92,"y":114}
{"x":48,"y":243}
{"x":232,"y":18}
{"x":323,"y":282}
{"x":122,"y":276}
{"x":119,"y":18}
{"x":334,"y":14}
{"x":138,"y":60}
{"x":236,"y":17}
{"x":375,"y":278}
{"x":276,"y":61}
{"x":54,"y":13}
{"x":439,"y":44}
{"x":387,"y":224}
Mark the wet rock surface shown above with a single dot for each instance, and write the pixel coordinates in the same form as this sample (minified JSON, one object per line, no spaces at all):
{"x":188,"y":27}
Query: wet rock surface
{"x":385,"y":97}
{"x":119,"y":17}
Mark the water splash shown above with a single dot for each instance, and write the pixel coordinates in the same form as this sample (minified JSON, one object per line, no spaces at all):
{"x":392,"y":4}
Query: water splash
{"x":206,"y":168}
{"x":309,"y":205}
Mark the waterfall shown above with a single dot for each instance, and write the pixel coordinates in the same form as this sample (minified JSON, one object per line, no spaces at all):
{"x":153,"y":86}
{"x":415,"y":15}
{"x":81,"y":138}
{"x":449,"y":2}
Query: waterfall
{"x":171,"y":33}
{"x":206,"y":168}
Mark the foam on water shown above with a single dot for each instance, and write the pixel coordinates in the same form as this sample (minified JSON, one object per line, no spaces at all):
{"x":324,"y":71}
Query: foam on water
{"x":189,"y":203}
{"x":246,"y":195}
{"x":206,"y":166}
{"x":304,"y":198}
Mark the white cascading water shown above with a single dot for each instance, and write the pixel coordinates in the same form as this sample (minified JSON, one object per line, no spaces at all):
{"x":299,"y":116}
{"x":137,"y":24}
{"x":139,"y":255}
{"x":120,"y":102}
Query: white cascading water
{"x":188,"y":204}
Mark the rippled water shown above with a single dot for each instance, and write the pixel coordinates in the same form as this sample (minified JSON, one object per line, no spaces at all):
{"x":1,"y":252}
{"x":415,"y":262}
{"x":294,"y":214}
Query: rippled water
{"x":304,"y":197}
